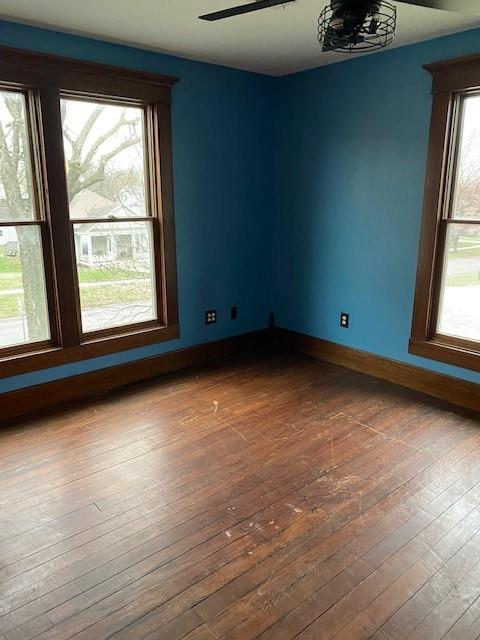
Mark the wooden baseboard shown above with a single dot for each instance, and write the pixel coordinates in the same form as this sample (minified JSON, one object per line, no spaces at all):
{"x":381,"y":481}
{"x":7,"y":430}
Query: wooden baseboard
{"x":454,"y":390}
{"x":95,"y":383}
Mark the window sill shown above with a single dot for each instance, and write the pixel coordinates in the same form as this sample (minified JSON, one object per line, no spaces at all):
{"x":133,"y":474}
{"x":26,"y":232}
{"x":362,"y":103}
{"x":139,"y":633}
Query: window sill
{"x":55,"y":356}
{"x":436,"y":349}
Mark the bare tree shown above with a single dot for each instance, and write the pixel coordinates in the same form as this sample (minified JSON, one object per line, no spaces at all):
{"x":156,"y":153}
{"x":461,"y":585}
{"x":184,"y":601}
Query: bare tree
{"x":466,"y":195}
{"x":87,"y":165}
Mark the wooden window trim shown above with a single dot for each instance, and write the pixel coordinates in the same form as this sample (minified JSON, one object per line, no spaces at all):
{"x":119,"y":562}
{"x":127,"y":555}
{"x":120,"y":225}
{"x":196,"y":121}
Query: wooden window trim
{"x":44,"y":78}
{"x":451,"y":78}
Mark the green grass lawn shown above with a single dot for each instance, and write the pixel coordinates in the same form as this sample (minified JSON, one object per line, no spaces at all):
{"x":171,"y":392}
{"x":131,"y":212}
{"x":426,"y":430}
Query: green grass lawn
{"x":92,"y":297}
{"x":10,"y":281}
{"x":11,"y":278}
{"x":9,"y":305}
{"x":9,"y":264}
{"x":464,"y":253}
{"x":86,"y":274}
{"x":463,"y":279}
{"x":467,"y":247}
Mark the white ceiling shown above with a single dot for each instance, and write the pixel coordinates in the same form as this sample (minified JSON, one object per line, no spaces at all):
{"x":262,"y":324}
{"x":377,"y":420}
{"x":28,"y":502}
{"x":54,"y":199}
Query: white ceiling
{"x":274,"y":41}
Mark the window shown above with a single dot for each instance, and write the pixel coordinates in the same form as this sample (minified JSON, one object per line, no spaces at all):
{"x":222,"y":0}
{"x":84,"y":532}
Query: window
{"x":24,"y":316}
{"x":87,"y":249}
{"x":446,"y":321}
{"x":105,"y":155}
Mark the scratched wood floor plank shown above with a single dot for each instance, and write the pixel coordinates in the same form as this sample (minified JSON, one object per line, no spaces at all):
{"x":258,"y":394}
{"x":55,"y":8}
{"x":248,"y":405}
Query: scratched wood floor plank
{"x":271,"y":497}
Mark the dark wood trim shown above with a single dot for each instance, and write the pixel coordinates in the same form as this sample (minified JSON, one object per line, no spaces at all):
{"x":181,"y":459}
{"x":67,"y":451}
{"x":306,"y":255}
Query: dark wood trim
{"x":454,"y":64}
{"x":453,"y":390}
{"x":20,"y":223}
{"x":26,"y":348}
{"x":462,"y":221}
{"x":450,"y":85}
{"x":57,"y":213}
{"x":19,"y":66}
{"x":447,"y":351}
{"x":459,"y":74}
{"x":432,"y":212}
{"x":43,"y":358}
{"x":112,"y":220}
{"x":95,"y":383}
{"x":118,"y":330}
{"x":163,"y":178}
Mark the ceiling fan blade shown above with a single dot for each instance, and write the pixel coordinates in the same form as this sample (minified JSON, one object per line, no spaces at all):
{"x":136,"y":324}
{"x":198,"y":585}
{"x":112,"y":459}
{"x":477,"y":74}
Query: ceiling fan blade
{"x":471,"y":7}
{"x":244,"y":8}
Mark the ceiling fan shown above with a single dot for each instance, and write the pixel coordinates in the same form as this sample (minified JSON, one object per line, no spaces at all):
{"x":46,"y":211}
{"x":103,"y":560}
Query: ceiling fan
{"x":354,"y":25}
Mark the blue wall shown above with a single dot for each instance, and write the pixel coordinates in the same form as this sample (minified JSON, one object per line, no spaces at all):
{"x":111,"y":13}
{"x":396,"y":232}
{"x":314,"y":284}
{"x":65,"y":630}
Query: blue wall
{"x":221,"y":148}
{"x":351,"y":156}
{"x":300,"y":194}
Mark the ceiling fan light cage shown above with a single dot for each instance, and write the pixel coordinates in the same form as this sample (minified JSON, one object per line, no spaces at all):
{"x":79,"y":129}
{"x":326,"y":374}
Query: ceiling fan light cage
{"x":383,"y":36}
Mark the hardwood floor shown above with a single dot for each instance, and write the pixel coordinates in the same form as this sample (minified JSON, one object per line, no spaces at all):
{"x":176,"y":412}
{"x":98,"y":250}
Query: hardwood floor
{"x":275,"y":499}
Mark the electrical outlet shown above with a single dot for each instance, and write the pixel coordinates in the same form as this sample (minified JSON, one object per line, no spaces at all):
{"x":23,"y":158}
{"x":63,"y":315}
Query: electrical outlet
{"x":234,"y":313}
{"x":344,"y":320}
{"x":211,"y":316}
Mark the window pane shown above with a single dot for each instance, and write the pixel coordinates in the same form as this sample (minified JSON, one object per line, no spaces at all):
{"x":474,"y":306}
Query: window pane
{"x":466,"y":202}
{"x":115,"y":272}
{"x":16,"y":202}
{"x":460,"y":301}
{"x":23,"y":300}
{"x":105,"y":158}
